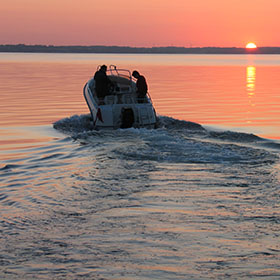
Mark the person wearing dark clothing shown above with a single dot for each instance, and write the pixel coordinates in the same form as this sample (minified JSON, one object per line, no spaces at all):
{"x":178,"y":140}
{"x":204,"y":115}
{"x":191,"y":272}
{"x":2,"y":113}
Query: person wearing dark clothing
{"x":102,"y":82}
{"x":142,"y":87}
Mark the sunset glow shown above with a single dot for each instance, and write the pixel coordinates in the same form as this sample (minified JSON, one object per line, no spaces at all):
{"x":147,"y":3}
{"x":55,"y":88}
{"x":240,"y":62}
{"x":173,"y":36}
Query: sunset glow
{"x":199,"y":23}
{"x":251,"y":46}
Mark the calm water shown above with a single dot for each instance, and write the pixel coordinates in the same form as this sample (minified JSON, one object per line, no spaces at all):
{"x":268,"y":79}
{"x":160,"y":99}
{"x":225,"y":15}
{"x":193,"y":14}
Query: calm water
{"x":197,"y":198}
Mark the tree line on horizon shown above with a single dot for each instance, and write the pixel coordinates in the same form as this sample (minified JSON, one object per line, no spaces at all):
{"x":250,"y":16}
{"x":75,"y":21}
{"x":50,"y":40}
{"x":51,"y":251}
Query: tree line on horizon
{"x":135,"y":50}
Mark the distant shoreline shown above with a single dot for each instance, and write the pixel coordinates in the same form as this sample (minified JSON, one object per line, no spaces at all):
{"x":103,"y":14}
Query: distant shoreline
{"x":135,"y":50}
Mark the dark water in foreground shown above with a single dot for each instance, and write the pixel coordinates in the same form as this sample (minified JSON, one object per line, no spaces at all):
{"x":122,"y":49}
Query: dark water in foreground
{"x":178,"y":202}
{"x":188,"y":200}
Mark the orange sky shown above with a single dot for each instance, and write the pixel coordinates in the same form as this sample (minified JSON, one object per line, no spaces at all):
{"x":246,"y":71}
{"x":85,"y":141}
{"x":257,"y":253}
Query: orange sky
{"x":223,"y":23}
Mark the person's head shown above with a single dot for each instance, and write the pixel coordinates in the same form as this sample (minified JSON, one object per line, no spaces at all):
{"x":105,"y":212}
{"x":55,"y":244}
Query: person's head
{"x":103,"y":68}
{"x":135,"y":74}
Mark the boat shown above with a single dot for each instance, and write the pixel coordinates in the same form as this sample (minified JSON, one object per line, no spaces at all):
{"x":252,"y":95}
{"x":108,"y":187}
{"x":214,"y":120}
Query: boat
{"x":121,"y":108}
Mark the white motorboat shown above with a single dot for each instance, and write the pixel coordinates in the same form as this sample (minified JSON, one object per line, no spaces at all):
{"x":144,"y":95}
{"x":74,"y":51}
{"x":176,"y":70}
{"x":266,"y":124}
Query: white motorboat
{"x":122,"y":108}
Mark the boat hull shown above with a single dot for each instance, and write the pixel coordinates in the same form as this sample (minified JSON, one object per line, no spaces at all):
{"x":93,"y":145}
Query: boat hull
{"x":119,"y":110}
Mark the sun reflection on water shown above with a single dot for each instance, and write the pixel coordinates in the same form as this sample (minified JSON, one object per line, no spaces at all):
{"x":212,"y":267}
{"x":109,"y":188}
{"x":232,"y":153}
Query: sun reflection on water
{"x":250,"y":86}
{"x":251,"y":79}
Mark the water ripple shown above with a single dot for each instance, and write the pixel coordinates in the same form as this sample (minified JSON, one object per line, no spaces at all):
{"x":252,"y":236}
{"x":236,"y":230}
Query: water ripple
{"x":168,"y":203}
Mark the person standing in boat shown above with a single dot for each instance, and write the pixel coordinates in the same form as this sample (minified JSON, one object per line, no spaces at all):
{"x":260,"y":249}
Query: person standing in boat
{"x":102,"y":82}
{"x":142,"y":87}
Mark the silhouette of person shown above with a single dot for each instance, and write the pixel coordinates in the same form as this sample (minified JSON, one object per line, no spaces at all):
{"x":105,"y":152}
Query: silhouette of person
{"x":102,"y":82}
{"x":142,"y":87}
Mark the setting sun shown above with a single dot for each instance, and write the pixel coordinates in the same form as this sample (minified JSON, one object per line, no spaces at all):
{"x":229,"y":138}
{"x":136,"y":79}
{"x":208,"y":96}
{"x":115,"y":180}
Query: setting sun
{"x":251,"y":46}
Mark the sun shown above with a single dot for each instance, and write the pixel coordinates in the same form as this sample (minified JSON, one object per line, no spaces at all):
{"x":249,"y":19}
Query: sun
{"x":251,"y":46}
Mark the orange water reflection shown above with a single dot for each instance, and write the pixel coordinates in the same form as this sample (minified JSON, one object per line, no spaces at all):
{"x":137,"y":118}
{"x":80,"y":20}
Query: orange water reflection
{"x":39,"y":93}
{"x":221,"y":96}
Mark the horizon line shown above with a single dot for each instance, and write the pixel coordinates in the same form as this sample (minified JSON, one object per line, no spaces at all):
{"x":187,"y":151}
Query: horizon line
{"x":127,"y":46}
{"x":22,"y":48}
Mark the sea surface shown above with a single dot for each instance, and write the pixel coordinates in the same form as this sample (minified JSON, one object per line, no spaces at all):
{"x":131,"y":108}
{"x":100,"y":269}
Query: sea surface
{"x":196,"y":198}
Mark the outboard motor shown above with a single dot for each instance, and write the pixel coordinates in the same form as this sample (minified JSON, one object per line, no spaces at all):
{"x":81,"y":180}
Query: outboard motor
{"x":127,"y":118}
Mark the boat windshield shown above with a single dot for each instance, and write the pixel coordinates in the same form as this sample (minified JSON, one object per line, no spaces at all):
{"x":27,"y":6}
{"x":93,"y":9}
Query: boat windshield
{"x":114,"y":71}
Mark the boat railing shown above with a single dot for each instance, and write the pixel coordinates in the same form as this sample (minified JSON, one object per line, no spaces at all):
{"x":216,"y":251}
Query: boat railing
{"x":114,"y":71}
{"x":123,"y":93}
{"x":149,"y":98}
